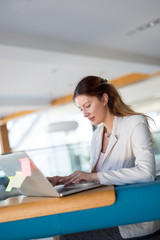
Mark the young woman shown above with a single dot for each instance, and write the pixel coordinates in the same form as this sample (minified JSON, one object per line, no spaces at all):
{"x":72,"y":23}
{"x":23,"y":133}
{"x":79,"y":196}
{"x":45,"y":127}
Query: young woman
{"x":121,"y":151}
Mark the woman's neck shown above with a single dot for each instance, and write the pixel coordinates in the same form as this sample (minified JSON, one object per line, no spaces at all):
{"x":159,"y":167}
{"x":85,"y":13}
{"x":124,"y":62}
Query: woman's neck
{"x":108,"y":123}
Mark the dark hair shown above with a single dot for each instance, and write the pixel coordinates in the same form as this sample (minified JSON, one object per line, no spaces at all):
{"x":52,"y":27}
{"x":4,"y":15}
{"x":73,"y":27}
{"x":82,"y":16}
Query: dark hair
{"x":97,"y":86}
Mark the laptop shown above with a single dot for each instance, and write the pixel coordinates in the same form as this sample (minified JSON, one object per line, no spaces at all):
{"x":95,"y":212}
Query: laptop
{"x":37,"y":184}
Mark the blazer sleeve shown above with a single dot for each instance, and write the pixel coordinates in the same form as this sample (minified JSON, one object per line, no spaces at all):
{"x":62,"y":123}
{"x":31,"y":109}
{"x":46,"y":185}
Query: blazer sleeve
{"x":144,"y":169}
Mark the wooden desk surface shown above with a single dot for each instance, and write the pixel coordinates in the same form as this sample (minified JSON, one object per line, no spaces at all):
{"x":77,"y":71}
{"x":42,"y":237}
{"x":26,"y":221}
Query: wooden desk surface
{"x":21,"y":207}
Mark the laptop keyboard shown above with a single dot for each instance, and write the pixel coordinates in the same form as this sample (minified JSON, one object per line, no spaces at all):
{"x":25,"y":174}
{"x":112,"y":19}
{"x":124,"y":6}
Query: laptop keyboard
{"x":63,"y":189}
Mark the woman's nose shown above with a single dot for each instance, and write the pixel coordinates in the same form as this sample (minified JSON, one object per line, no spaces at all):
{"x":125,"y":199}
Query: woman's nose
{"x":85,"y":113}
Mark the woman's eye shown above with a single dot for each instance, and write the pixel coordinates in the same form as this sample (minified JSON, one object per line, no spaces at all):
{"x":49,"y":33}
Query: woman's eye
{"x":88,"y":106}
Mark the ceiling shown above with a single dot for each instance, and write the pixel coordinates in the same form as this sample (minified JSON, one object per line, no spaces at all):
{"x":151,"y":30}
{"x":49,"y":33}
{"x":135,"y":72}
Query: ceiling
{"x":46,"y":46}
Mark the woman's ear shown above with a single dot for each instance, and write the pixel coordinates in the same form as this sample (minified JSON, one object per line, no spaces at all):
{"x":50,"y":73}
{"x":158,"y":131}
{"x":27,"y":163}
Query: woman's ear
{"x":105,"y":98}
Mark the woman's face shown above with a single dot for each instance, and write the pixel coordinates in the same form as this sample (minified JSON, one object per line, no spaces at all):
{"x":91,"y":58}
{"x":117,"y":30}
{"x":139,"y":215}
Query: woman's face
{"x":93,"y":108}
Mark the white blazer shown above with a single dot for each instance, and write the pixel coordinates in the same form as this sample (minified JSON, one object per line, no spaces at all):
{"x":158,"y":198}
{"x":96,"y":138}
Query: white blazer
{"x":129,"y":157}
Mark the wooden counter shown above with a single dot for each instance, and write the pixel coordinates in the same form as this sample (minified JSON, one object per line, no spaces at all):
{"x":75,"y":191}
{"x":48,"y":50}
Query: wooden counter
{"x":21,"y":207}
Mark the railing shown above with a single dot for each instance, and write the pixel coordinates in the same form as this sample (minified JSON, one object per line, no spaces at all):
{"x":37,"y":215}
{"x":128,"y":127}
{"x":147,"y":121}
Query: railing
{"x":61,"y":160}
{"x":52,"y":161}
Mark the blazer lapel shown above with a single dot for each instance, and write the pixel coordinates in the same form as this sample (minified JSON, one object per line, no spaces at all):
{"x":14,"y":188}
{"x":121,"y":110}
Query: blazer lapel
{"x":97,"y":149}
{"x":113,"y":140}
{"x":114,"y":137}
{"x":111,"y":145}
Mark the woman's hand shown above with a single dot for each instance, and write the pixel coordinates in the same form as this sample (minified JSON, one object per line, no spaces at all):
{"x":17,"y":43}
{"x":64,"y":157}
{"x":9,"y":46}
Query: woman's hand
{"x":79,"y":176}
{"x":57,"y":180}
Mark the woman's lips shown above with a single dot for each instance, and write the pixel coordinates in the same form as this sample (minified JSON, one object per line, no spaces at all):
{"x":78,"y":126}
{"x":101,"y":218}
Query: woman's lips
{"x":91,"y":119}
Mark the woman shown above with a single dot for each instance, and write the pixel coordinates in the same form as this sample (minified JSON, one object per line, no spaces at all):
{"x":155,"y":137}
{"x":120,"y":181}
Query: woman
{"x":121,"y":151}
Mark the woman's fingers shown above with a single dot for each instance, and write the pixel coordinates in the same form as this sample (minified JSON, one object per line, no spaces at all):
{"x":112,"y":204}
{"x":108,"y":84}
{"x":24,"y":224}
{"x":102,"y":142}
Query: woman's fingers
{"x":50,"y":179}
{"x":56,"y":180}
{"x":76,"y":177}
{"x":73,"y":178}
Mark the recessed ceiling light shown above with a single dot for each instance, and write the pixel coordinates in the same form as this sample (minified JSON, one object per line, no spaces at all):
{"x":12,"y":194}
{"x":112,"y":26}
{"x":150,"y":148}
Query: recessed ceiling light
{"x":144,"y":26}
